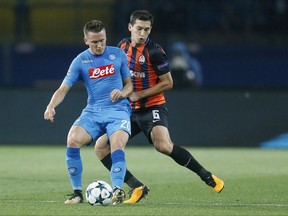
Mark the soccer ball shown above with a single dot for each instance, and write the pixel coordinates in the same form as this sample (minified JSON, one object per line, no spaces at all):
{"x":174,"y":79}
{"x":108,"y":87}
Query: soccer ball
{"x":99,"y":193}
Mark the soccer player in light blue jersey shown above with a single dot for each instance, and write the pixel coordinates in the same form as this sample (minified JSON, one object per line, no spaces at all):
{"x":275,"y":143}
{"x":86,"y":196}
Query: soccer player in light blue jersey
{"x":106,"y":76}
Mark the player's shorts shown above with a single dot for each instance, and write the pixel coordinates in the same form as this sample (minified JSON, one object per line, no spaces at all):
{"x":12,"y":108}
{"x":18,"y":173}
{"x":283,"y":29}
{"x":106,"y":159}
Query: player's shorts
{"x":145,"y":120}
{"x":98,"y":121}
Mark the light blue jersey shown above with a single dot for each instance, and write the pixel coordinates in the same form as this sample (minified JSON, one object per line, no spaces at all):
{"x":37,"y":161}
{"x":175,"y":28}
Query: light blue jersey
{"x":101,"y":74}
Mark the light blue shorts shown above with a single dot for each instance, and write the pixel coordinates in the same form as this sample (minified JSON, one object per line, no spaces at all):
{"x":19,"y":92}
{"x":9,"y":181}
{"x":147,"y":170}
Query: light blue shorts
{"x":98,"y":121}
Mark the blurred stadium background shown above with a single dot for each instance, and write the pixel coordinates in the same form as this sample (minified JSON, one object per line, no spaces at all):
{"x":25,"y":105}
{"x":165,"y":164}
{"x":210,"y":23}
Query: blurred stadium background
{"x":229,"y":58}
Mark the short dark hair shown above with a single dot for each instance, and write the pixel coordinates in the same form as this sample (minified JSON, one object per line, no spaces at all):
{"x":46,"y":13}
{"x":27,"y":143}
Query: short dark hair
{"x":93,"y":26}
{"x":143,"y":15}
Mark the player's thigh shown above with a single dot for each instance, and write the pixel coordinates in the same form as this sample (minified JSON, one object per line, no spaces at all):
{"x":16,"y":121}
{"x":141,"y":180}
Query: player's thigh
{"x":117,"y":121}
{"x":90,"y":127}
{"x":118,"y":129}
{"x":78,"y":137}
{"x":153,"y":118}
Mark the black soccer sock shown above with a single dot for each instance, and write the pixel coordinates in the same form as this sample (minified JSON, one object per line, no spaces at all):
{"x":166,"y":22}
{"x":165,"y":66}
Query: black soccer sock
{"x":107,"y":161}
{"x":129,"y":179}
{"x":184,"y":158}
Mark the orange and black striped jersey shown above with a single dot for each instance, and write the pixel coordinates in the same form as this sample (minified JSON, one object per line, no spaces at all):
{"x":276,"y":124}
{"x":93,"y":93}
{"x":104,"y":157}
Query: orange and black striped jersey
{"x":146,"y":62}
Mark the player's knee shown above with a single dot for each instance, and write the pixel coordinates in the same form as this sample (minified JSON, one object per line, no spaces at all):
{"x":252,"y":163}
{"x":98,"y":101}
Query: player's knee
{"x":163,"y":147}
{"x":73,"y":141}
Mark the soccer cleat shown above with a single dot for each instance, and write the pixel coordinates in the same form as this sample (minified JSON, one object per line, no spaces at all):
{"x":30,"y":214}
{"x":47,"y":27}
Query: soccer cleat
{"x":118,"y":196}
{"x":216,"y":183}
{"x":136,"y":194}
{"x":75,"y":198}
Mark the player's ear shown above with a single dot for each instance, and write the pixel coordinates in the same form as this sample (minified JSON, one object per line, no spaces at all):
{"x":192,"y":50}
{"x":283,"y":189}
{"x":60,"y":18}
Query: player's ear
{"x":129,"y":26}
{"x":85,"y":40}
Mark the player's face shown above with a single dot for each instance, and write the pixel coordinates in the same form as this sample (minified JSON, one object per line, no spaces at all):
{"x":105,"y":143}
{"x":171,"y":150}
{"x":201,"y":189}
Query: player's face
{"x":139,"y":32}
{"x":96,"y":42}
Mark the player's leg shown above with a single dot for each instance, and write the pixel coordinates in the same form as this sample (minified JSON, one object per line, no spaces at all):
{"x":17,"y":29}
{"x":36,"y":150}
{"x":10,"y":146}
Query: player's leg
{"x":77,"y":137}
{"x":118,"y":140}
{"x":137,"y":189}
{"x":185,"y":158}
{"x":162,"y":142}
{"x":102,"y":150}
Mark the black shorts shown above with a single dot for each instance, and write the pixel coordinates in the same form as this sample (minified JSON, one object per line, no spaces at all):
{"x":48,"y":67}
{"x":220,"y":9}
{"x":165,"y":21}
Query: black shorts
{"x":145,"y":120}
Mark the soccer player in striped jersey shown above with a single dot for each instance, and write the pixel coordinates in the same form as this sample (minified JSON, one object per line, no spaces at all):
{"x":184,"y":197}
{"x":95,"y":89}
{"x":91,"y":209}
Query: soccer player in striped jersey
{"x":151,"y":77}
{"x":106,"y":76}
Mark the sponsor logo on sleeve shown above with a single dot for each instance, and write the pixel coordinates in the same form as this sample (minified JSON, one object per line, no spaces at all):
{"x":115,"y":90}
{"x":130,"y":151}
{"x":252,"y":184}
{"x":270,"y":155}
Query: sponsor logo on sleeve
{"x":163,"y":66}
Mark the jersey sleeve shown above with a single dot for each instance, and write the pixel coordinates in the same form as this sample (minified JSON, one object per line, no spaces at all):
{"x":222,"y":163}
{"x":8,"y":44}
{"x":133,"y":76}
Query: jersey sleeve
{"x":125,"y":71}
{"x":73,"y":74}
{"x":159,"y":60}
{"x":123,"y":41}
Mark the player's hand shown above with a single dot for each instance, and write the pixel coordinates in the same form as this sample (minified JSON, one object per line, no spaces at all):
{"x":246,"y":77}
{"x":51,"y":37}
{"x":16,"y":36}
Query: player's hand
{"x":49,"y":114}
{"x":134,"y":96}
{"x":116,"y":95}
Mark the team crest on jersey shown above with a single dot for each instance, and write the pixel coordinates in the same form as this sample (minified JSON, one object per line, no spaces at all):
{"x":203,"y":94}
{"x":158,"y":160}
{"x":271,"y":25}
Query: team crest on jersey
{"x":141,"y":59}
{"x":112,"y":56}
{"x":102,"y":71}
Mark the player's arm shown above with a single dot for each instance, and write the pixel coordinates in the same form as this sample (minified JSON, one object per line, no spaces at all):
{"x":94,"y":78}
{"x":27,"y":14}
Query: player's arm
{"x":165,"y":84}
{"x":161,"y":66}
{"x":117,"y":94}
{"x":56,"y":99}
{"x":127,"y":89}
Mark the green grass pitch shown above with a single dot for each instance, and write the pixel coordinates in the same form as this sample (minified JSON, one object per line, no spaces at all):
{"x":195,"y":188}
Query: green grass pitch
{"x":34,"y":181}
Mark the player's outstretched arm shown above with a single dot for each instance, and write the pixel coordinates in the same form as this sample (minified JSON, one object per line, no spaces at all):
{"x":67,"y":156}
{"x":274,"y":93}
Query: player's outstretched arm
{"x":56,"y":99}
